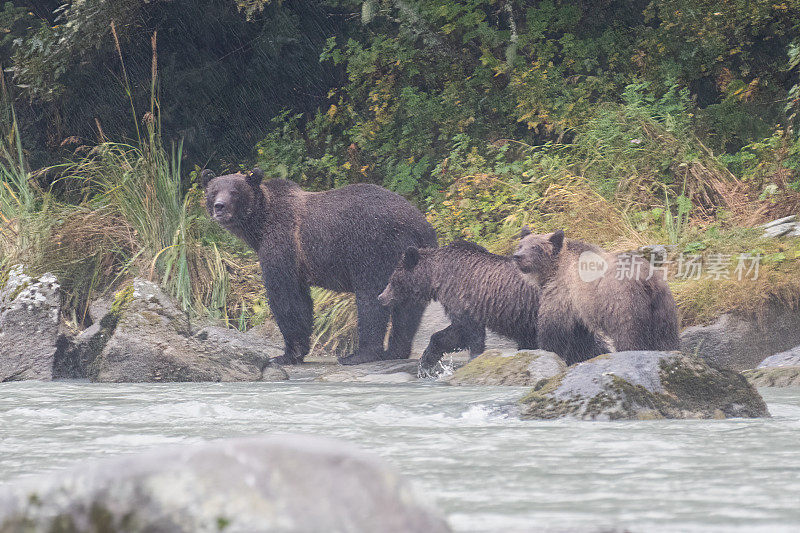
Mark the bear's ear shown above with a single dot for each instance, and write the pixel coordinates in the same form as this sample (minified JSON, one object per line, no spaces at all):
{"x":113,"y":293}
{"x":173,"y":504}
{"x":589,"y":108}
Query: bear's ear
{"x":524,"y":231}
{"x":206,"y":176}
{"x":254,"y":178}
{"x":557,"y":240}
{"x":410,"y":258}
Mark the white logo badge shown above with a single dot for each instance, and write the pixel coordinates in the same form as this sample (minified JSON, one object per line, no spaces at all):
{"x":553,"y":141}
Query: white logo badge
{"x":591,"y":266}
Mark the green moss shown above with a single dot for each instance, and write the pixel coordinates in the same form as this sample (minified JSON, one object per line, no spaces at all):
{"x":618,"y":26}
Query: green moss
{"x":621,"y":400}
{"x":493,"y":368}
{"x":691,"y":385}
{"x":539,"y":402}
{"x":121,"y":301}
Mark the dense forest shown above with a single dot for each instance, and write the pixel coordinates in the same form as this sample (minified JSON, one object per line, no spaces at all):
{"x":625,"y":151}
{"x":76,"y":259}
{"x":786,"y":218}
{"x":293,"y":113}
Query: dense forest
{"x":624,"y":122}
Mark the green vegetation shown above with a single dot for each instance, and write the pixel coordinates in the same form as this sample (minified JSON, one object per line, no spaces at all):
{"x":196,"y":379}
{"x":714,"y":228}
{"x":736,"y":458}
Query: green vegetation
{"x":626,"y":123}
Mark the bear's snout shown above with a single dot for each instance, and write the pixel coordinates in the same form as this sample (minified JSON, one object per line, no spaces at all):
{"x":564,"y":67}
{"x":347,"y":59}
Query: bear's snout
{"x":221,"y":212}
{"x":522,"y":263}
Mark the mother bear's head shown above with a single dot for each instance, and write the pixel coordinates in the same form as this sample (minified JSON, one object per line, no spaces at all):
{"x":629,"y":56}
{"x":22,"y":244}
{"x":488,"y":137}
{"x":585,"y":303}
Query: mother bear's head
{"x":233,"y":199}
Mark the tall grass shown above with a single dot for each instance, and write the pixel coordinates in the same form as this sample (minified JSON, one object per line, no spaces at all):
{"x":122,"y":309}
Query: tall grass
{"x":17,"y":197}
{"x":142,"y":183}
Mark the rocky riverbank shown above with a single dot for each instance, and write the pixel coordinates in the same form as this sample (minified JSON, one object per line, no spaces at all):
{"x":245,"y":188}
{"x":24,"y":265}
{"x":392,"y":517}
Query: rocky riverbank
{"x":141,"y":335}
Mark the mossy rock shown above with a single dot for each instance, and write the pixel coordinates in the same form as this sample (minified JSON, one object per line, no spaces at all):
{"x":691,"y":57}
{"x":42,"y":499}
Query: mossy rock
{"x":145,"y":337}
{"x":644,"y":385}
{"x":523,"y":368}
{"x":787,"y":376}
{"x":779,"y":370}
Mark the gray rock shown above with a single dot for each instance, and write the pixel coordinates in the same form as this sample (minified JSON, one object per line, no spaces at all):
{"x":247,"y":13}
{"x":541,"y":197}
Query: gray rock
{"x":780,"y":221}
{"x":29,"y":327}
{"x":148,"y":339}
{"x":780,"y":230}
{"x":523,"y":368}
{"x":74,"y":361}
{"x":782,"y":226}
{"x":783,"y":359}
{"x":263,"y":484}
{"x":783,"y":376}
{"x":435,"y":319}
{"x":644,"y":385}
{"x":779,"y":370}
{"x":397,"y":371}
{"x":739,"y":342}
{"x":99,"y":308}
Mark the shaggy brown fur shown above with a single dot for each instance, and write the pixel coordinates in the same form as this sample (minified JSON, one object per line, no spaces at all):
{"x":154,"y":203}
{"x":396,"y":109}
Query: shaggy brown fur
{"x":346,"y":240}
{"x":477,"y":289}
{"x":581,"y":317}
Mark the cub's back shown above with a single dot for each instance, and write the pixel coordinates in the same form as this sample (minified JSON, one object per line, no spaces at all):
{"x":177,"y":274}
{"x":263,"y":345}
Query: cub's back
{"x":486,"y":286}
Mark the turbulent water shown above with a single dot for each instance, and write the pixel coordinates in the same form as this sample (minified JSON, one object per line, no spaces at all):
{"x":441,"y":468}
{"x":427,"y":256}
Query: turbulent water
{"x":485,"y":470}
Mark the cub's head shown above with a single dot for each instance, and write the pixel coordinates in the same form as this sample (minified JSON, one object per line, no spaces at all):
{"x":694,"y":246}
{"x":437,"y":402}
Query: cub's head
{"x":232,"y":199}
{"x":407,"y":283}
{"x":537,"y":255}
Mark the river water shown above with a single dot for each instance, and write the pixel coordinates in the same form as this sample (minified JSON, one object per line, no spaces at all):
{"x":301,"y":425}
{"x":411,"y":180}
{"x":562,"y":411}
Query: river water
{"x":486,"y":470}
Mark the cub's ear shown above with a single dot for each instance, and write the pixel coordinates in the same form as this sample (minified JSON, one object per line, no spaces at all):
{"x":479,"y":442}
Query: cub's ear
{"x":410,"y":258}
{"x":524,"y":231}
{"x":255,"y":176}
{"x":206,"y":176}
{"x":557,"y":240}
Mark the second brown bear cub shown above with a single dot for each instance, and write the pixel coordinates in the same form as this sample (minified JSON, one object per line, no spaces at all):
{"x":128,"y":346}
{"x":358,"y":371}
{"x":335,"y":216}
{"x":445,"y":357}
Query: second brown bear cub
{"x":477,"y":289}
{"x":585,"y":312}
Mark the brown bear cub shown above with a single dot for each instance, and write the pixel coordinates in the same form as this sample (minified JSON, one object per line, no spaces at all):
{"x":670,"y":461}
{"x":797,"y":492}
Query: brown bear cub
{"x":346,"y":240}
{"x":594,"y":302}
{"x":477,"y":289}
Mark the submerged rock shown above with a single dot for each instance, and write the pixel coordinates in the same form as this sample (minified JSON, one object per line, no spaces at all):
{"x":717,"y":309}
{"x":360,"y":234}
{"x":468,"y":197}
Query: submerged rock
{"x":146,"y":338}
{"x":523,"y":368}
{"x":395,"y":371}
{"x":29,"y":326}
{"x":779,"y":370}
{"x":644,"y":385}
{"x":286,"y":483}
{"x":740,"y":342}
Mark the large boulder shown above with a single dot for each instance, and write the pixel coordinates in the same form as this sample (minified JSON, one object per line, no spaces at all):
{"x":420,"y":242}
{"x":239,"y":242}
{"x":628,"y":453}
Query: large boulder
{"x":644,"y":385}
{"x":779,"y":370}
{"x":146,"y":338}
{"x":263,"y":484}
{"x":29,"y":326}
{"x":494,"y":367}
{"x":741,"y":342}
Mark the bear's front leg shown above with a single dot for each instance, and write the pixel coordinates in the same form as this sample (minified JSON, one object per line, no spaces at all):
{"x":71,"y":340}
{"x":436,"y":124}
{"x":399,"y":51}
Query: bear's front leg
{"x":372,"y":321}
{"x":457,"y":336}
{"x":405,"y":322}
{"x":291,"y":304}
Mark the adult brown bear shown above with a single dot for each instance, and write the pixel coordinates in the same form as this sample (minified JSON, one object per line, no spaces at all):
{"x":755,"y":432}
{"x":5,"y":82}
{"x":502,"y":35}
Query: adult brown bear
{"x":594,"y":302}
{"x":346,"y":240}
{"x":477,"y":289}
